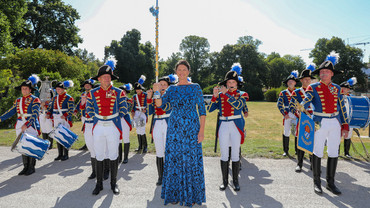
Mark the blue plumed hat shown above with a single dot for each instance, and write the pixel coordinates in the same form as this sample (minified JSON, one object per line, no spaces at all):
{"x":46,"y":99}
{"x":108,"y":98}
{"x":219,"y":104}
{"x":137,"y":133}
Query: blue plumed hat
{"x":107,"y":68}
{"x":66,"y":84}
{"x":170,"y":79}
{"x":293,"y":76}
{"x":329,"y":63}
{"x":234,"y":73}
{"x":349,"y":83}
{"x":139,"y":84}
{"x":30,"y":82}
{"x":126,"y":87}
{"x":308,"y":71}
{"x":88,"y":81}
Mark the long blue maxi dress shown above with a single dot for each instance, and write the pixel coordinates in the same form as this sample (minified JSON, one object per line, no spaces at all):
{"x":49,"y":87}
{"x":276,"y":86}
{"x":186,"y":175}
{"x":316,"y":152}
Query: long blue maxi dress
{"x":183,"y":176}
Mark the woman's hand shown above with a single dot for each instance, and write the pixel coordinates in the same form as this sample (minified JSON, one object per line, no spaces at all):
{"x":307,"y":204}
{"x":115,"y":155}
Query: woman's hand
{"x":156,"y":87}
{"x":200,"y":136}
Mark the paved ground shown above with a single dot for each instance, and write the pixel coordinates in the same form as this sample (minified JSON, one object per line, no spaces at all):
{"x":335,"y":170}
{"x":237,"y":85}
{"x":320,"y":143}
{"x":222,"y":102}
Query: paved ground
{"x":264,"y":183}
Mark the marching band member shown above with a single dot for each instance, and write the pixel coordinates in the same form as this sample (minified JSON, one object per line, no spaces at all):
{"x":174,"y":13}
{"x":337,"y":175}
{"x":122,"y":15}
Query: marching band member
{"x":27,"y":109}
{"x":61,"y":110}
{"x":346,"y":87}
{"x":289,"y":120}
{"x":297,"y":97}
{"x":139,"y":112}
{"x":330,"y":117}
{"x":106,"y":105}
{"x":160,"y":123}
{"x":87,"y":122}
{"x":231,"y":104}
{"x":126,"y":126}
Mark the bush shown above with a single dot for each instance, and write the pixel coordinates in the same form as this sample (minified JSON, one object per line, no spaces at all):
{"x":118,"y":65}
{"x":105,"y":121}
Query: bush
{"x":255,"y":93}
{"x":209,"y":89}
{"x":272,"y":94}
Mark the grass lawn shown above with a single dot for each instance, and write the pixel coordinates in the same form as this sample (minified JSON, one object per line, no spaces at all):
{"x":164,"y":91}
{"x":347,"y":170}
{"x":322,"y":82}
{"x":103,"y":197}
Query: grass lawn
{"x":263,"y":126}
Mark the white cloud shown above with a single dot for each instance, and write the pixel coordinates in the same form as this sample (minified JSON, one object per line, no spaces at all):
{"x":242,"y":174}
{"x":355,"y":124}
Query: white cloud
{"x":221,"y":22}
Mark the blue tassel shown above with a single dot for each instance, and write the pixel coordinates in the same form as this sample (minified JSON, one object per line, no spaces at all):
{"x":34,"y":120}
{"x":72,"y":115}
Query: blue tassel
{"x":34,"y":79}
{"x":237,"y":68}
{"x":333,"y":57}
{"x":142,"y":79}
{"x":111,"y":64}
{"x":352,"y":81}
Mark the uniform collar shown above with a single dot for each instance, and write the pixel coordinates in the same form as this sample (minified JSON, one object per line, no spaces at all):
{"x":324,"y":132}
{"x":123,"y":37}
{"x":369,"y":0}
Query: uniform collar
{"x":232,"y":92}
{"x":325,"y":84}
{"x":27,"y":96}
{"x":110,"y":87}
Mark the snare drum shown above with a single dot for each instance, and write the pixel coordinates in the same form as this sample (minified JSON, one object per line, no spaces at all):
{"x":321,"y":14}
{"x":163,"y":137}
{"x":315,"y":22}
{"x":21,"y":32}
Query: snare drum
{"x":63,"y":136}
{"x":139,"y":122}
{"x":31,"y":146}
{"x":358,"y":111}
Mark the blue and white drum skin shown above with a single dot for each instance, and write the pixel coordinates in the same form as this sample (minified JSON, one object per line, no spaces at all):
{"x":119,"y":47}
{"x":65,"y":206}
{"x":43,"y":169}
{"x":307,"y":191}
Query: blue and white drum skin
{"x":32,"y":146}
{"x":63,"y":136}
{"x":359,"y":111}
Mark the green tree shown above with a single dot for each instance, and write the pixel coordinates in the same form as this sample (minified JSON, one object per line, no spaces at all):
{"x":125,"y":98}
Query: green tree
{"x":133,"y":58}
{"x":11,"y":23}
{"x":248,"y":40}
{"x":50,"y":24}
{"x":195,"y":50}
{"x":8,"y":94}
{"x":350,"y":61}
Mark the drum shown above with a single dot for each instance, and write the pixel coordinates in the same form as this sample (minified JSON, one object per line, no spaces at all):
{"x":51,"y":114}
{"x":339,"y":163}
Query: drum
{"x":63,"y":136}
{"x":358,"y":111}
{"x":32,"y":146}
{"x":139,"y":122}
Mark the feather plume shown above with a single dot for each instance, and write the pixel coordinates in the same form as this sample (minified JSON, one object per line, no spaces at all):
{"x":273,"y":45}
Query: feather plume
{"x":333,"y":57}
{"x":352,"y":81}
{"x":142,"y":79}
{"x":311,"y":67}
{"x":189,"y":79}
{"x":173,"y":78}
{"x":128,"y":86}
{"x":34,"y":79}
{"x":68,"y":83}
{"x":240,"y":78}
{"x":237,"y":68}
{"x":111,"y":63}
{"x":294,"y":73}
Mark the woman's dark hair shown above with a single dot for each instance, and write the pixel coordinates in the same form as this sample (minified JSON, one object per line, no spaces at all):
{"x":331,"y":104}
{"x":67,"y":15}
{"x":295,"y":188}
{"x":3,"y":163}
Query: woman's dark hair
{"x":182,"y":62}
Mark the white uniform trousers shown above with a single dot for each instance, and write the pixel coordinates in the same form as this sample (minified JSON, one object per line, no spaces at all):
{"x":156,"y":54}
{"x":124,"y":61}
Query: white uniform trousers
{"x":125,"y":131}
{"x":159,"y":136}
{"x":330,"y":131}
{"x":290,"y":124}
{"x":89,"y":139}
{"x":350,"y":133}
{"x":228,"y":134}
{"x":106,"y":140}
{"x":30,"y":130}
{"x":139,"y":114}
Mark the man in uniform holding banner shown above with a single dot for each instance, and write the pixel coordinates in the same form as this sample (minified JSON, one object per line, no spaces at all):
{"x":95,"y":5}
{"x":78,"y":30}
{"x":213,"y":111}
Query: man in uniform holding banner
{"x":61,"y":110}
{"x":297,"y":97}
{"x":27,"y":109}
{"x":106,"y":105}
{"x":330,"y":117}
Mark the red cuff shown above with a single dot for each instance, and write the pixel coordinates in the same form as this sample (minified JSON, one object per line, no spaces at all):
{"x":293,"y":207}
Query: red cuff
{"x":213,"y":99}
{"x":65,"y":115}
{"x":286,"y":113}
{"x":345,"y":127}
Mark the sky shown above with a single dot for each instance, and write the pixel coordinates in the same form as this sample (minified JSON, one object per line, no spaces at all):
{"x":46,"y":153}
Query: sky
{"x":283,"y":26}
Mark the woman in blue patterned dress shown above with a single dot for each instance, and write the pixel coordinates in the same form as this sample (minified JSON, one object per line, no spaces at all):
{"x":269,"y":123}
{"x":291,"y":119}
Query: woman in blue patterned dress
{"x":183,"y":177}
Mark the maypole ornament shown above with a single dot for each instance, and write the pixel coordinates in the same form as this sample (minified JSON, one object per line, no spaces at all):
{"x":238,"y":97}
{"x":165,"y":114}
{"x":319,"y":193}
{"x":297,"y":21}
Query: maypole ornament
{"x":155,"y":13}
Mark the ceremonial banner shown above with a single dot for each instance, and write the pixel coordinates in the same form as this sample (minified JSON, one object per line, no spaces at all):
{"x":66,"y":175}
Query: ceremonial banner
{"x":306,"y":133}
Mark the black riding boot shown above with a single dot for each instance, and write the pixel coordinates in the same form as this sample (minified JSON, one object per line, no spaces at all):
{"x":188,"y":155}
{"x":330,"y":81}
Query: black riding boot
{"x":300,"y":155}
{"x":145,"y":143}
{"x":51,"y":142}
{"x":347,"y":146}
{"x":330,"y":173}
{"x":240,"y":158}
{"x":99,"y":178}
{"x":225,"y":174}
{"x":286,"y":145}
{"x":138,"y":150}
{"x":113,"y":176}
{"x":93,"y":167}
{"x":106,"y":169}
{"x":235,"y":167}
{"x":60,"y":152}
{"x":83,"y":148}
{"x":316,"y":169}
{"x":120,"y":152}
{"x":126,"y":150}
{"x":65,"y":156}
{"x":31,"y":166}
{"x":25,"y":165}
{"x":295,"y":145}
{"x":160,"y":170}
